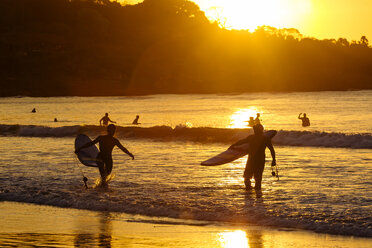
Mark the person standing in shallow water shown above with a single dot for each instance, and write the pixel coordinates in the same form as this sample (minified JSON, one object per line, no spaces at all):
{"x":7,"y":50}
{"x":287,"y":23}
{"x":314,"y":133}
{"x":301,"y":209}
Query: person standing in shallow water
{"x":256,"y":156}
{"x":257,"y":120}
{"x":105,"y":120}
{"x":305,"y":120}
{"x":135,"y":121}
{"x":251,"y":122}
{"x":106,"y":145}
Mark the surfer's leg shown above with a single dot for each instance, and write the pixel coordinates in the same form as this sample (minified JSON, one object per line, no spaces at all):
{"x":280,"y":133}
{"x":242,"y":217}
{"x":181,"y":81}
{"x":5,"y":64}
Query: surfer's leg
{"x":108,"y":167}
{"x":258,"y":175}
{"x":101,"y":166}
{"x":247,"y":182}
{"x":248,"y":173}
{"x":257,"y":179}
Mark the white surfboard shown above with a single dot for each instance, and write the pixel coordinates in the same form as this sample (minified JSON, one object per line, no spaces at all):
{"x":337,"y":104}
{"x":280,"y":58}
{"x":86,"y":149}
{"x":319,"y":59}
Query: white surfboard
{"x":86,"y":156}
{"x":232,"y":154}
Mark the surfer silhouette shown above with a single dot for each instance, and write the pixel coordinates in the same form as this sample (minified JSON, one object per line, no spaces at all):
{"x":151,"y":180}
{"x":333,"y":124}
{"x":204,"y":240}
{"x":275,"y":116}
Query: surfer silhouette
{"x":256,"y":156}
{"x":106,"y":145}
{"x":305,"y":120}
{"x":251,"y":122}
{"x":33,"y":110}
{"x":135,"y":121}
{"x":257,"y":120}
{"x":105,"y":120}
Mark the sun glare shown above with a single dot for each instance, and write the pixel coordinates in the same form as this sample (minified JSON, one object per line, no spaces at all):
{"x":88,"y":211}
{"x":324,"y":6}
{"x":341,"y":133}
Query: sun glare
{"x":249,"y":14}
{"x":235,"y":239}
{"x":241,"y":117}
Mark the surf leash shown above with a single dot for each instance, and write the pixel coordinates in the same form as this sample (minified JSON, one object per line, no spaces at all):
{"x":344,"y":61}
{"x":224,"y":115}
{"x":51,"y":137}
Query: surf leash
{"x":85,"y":179}
{"x":275,"y":173}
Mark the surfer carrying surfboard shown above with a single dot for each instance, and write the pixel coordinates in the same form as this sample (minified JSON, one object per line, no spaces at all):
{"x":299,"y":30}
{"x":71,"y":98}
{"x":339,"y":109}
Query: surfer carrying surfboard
{"x":256,"y":156}
{"x":106,"y":145}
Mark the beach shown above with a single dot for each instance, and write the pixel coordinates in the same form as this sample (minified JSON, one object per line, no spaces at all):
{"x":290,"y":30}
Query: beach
{"x":164,"y":197}
{"x":30,"y":225}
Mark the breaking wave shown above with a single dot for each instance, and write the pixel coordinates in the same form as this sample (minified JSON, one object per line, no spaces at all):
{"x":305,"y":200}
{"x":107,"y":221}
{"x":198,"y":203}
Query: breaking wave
{"x":196,"y":134}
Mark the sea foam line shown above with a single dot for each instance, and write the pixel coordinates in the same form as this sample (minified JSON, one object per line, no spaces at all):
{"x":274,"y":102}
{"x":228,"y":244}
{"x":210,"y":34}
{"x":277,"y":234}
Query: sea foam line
{"x":196,"y":134}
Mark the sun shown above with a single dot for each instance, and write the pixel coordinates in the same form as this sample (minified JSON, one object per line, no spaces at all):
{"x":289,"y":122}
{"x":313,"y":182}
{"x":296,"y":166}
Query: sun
{"x":240,"y":118}
{"x":249,"y":14}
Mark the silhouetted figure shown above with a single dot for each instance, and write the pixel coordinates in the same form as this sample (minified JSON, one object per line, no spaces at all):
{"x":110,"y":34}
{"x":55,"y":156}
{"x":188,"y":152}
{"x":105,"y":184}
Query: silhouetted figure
{"x":55,"y":120}
{"x":304,"y":119}
{"x":135,"y":121}
{"x":33,"y":110}
{"x":106,"y":145}
{"x":105,"y":120}
{"x":256,"y":156}
{"x":257,"y":120}
{"x":251,"y":122}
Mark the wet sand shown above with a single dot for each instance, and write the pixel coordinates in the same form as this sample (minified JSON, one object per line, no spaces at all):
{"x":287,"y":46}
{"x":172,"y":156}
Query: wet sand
{"x":30,"y":225}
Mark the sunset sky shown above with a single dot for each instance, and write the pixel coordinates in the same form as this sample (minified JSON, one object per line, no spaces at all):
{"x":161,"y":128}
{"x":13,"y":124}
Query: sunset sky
{"x":315,"y":18}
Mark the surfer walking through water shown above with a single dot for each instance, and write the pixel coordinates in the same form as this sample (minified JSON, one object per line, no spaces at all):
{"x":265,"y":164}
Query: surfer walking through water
{"x":105,"y":120}
{"x":106,"y":145}
{"x":256,"y":156}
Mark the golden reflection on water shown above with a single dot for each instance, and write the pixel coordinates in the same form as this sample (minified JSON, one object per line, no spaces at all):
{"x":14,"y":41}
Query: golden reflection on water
{"x":240,"y":118}
{"x":235,"y":239}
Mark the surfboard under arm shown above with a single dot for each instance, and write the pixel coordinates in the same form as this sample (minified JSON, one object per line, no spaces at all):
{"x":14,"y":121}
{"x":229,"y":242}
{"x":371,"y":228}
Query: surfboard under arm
{"x":232,"y":154}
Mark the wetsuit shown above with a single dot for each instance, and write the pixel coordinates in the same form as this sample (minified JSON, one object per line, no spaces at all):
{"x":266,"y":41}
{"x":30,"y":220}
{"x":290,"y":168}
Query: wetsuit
{"x":106,"y":145}
{"x":256,"y":159}
{"x":105,"y":120}
{"x":305,"y":121}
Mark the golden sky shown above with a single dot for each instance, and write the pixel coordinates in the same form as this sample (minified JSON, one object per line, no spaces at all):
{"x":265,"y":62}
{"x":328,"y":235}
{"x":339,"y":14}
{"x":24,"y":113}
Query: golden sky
{"x":315,"y":18}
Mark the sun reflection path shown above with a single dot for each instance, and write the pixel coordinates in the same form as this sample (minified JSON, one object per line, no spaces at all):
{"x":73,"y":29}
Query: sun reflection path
{"x":240,"y":118}
{"x":235,"y":239}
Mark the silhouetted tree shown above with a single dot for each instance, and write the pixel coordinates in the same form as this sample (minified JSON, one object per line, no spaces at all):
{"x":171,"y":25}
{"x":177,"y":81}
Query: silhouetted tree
{"x":363,"y":41}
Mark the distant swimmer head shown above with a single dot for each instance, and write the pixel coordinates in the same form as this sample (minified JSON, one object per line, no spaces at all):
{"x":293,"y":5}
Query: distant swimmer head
{"x":304,"y":114}
{"x":258,"y":129}
{"x":106,"y":114}
{"x":111,"y":129}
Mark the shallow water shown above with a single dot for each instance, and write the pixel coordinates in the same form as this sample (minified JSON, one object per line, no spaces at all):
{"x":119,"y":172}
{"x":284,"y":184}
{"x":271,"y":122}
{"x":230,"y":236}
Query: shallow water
{"x":322,"y":187}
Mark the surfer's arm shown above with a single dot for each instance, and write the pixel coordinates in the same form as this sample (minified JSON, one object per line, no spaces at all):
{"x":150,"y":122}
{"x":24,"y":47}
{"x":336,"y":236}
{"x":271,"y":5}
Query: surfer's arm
{"x":299,"y":116}
{"x":111,"y":121}
{"x":87,"y":145}
{"x":124,"y":149}
{"x":272,"y":151}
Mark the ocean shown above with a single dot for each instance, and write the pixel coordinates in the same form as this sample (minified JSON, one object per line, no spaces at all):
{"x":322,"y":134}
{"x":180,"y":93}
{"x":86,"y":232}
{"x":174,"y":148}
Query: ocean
{"x":325,"y":170}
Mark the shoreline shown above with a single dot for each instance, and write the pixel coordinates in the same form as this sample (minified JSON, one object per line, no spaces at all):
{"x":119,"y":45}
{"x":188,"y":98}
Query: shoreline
{"x":25,"y":224}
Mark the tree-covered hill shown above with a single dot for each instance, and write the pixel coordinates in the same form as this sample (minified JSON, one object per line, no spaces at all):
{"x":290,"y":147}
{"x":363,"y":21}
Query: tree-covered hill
{"x":87,"y":47}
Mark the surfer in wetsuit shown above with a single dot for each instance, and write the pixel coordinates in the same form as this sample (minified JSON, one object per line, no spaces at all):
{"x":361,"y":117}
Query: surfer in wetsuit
{"x":257,"y":120}
{"x":106,"y":145}
{"x":135,"y":121}
{"x":256,"y":156}
{"x":305,"y":120}
{"x":105,"y":120}
{"x":251,"y":122}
